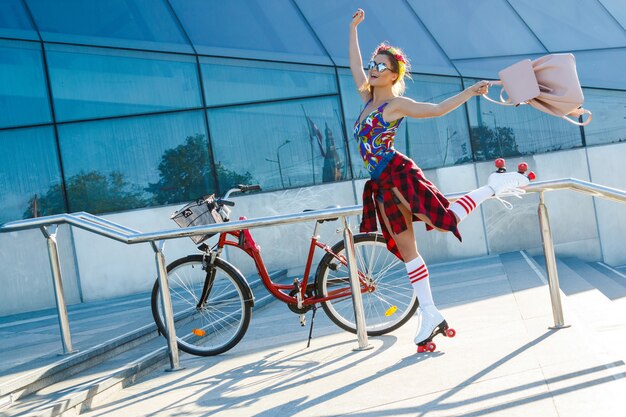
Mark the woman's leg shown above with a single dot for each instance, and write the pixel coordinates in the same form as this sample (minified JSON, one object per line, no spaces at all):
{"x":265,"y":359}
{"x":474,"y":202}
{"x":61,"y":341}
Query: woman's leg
{"x":414,"y":263}
{"x":432,"y":320}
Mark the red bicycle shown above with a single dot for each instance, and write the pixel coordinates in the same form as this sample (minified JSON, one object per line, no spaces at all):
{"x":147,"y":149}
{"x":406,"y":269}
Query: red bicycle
{"x":212,"y":300}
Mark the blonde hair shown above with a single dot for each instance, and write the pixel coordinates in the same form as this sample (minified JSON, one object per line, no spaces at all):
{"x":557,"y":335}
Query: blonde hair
{"x":399,"y":64}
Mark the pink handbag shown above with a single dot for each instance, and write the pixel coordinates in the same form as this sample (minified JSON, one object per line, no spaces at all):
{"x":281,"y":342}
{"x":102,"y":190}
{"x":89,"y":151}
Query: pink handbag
{"x":549,"y":83}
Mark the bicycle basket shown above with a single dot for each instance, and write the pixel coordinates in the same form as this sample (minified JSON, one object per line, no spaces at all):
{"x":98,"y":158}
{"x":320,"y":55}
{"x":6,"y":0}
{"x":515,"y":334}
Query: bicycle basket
{"x":203,"y":211}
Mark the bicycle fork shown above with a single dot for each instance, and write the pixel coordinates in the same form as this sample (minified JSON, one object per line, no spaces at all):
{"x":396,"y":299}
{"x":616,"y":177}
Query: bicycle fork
{"x":210,"y":279}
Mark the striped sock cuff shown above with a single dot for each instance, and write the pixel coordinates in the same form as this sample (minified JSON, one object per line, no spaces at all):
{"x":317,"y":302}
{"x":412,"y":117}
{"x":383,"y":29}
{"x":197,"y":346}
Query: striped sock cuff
{"x":418,"y":274}
{"x":467,"y":203}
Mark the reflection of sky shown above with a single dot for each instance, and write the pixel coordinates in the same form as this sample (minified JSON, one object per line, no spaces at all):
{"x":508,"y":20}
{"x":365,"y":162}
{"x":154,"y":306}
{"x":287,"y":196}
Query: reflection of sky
{"x":23,"y":95}
{"x":228,"y":81}
{"x":88,"y":83}
{"x":28,"y":166}
{"x":132,"y":146}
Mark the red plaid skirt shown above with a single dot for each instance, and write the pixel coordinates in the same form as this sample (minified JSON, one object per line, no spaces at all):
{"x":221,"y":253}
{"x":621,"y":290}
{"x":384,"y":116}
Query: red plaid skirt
{"x":421,"y":194}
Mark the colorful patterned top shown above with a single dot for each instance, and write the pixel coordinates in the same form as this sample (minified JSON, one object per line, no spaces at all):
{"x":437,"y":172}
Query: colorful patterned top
{"x":375,"y":138}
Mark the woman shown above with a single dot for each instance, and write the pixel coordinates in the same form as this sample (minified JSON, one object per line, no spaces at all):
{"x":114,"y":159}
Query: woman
{"x":398,"y":193}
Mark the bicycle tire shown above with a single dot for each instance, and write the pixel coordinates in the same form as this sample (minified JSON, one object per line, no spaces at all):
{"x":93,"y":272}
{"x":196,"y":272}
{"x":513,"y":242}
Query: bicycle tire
{"x":223,"y":319}
{"x":392,"y":302}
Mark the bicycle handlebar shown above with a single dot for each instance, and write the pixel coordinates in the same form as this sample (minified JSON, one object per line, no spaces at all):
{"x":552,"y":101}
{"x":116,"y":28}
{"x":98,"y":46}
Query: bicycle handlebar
{"x":246,"y":188}
{"x":241,"y":188}
{"x":223,"y":202}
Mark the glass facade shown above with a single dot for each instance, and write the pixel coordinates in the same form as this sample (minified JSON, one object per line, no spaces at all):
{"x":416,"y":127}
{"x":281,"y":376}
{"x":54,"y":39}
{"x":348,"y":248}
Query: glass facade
{"x":140,"y":24}
{"x":14,"y":21}
{"x":125,"y":104}
{"x":30,"y":175}
{"x":285,"y":144}
{"x":112,"y":165}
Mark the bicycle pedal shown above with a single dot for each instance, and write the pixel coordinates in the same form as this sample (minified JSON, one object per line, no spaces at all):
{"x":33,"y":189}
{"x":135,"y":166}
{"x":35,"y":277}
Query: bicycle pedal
{"x":302,"y":320}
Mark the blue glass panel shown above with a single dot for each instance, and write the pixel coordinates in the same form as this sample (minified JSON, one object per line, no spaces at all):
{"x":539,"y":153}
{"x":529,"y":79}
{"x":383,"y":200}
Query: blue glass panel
{"x":228,"y":81}
{"x":23,"y":94}
{"x":272,"y":30}
{"x":279,"y":145}
{"x":30,"y":178}
{"x":499,"y":131}
{"x":603,"y":69}
{"x":432,"y":143}
{"x":391,"y":20}
{"x":479,"y":28}
{"x":96,"y":82}
{"x":14,"y":21}
{"x":141,"y":24}
{"x":609,"y":116}
{"x":566,"y":25}
{"x":488,"y":68}
{"x":617,"y":10}
{"x":121,"y":164}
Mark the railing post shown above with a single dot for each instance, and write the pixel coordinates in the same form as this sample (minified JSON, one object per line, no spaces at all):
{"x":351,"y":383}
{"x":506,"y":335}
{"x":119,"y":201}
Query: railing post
{"x":553,"y":276}
{"x":57,"y":280}
{"x":357,"y":299}
{"x":166,"y":301}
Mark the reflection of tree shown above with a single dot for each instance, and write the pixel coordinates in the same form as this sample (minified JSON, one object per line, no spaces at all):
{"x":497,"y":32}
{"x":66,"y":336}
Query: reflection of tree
{"x":228,"y":179}
{"x":92,"y":192}
{"x":487,"y":142}
{"x":185,"y":173}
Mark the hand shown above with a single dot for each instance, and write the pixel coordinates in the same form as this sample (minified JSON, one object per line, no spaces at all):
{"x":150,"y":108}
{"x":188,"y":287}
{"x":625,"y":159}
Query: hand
{"x":358,"y":17}
{"x":480,"y":88}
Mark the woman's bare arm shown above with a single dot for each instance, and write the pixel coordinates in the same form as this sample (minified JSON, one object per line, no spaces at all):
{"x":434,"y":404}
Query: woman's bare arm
{"x":356,"y":62}
{"x":403,"y":106}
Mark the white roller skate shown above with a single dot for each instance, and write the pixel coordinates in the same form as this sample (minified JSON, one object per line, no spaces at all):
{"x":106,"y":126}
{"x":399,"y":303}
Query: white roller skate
{"x":431,"y":324}
{"x":508,"y":183}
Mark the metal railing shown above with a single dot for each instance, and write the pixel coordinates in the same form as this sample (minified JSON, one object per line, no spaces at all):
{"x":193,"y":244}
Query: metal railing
{"x":103,"y":227}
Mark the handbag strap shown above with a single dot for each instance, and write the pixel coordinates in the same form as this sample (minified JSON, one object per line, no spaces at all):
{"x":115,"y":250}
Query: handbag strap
{"x":502,"y":101}
{"x":579,"y":112}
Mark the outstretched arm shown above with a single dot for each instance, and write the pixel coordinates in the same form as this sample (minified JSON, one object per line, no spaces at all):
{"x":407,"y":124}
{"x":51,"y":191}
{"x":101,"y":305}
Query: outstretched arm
{"x":403,"y":106}
{"x":356,"y":62}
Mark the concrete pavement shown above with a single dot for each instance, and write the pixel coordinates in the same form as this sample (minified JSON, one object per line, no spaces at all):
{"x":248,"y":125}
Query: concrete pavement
{"x":504,"y":361}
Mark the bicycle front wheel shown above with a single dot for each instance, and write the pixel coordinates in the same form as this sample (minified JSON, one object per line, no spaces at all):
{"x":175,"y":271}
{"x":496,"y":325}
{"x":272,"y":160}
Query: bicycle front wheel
{"x":387,"y":306}
{"x":211,"y":310}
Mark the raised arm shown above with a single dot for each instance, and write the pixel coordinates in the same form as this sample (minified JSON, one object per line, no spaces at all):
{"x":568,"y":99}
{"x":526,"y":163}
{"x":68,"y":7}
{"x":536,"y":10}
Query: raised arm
{"x":356,"y":62}
{"x":403,"y":106}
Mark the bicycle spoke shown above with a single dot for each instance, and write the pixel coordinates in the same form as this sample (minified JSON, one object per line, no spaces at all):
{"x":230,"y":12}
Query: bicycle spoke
{"x":217,"y":324}
{"x":391,"y":288}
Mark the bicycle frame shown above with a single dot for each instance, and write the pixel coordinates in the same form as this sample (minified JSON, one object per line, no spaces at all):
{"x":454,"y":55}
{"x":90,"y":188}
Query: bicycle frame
{"x":246,"y":243}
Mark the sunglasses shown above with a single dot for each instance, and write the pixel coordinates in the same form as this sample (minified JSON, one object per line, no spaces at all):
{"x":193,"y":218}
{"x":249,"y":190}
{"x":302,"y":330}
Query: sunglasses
{"x":380,"y":66}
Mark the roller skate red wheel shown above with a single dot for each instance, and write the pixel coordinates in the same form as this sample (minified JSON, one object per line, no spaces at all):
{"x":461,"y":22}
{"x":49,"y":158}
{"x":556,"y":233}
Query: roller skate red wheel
{"x":430,"y":346}
{"x":450,"y":332}
{"x":531,"y":176}
{"x":522,"y":167}
{"x":500,"y":164}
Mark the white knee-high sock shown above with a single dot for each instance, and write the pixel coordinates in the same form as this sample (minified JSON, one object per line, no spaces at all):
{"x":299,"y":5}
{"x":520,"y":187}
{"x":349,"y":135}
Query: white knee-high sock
{"x":468,"y":203}
{"x":418,"y":275}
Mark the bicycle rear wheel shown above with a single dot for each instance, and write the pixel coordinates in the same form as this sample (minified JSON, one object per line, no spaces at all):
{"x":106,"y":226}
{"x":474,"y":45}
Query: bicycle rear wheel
{"x":215,"y":325}
{"x":388,"y":306}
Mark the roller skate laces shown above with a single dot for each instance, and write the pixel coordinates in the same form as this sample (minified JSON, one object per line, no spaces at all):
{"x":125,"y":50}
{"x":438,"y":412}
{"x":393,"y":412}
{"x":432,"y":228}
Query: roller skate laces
{"x":507,"y":184}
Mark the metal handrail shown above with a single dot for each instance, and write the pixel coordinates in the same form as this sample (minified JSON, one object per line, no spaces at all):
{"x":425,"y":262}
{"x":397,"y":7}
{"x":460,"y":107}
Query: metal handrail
{"x":103,"y":227}
{"x":127,"y":235}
